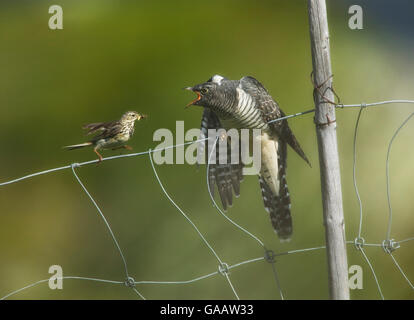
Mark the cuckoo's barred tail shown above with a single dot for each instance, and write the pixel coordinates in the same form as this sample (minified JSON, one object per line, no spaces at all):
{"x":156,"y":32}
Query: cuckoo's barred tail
{"x":278,"y":204}
{"x":278,"y":207}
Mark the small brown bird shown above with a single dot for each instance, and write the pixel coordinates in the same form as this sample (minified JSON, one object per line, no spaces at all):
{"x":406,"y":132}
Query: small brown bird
{"x":112,"y":135}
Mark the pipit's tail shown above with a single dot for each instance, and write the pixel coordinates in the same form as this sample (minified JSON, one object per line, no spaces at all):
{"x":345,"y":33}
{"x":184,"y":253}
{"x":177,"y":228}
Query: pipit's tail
{"x":77,"y":146}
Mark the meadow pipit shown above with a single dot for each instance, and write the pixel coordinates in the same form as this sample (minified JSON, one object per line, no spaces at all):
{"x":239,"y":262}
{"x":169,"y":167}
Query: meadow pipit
{"x":112,"y":135}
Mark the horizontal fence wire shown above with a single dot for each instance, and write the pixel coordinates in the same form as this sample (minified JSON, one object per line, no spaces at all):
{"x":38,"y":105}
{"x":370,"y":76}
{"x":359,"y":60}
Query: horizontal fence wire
{"x":389,"y":245}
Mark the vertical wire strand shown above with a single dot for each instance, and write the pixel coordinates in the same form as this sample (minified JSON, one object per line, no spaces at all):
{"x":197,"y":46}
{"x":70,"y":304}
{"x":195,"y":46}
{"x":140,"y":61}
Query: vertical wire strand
{"x":387,"y":174}
{"x":194,"y":226}
{"x":354,"y":171}
{"x":105,"y":221}
{"x":401,"y":271}
{"x":231,"y":285}
{"x":277,"y":281}
{"x":138,"y":293}
{"x":182,"y":212}
{"x":373,"y":272}
{"x":234,"y":223}
{"x":218,"y":208}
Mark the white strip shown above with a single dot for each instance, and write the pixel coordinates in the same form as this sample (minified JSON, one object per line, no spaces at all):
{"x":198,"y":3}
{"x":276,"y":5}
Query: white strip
{"x":217,"y":79}
{"x":249,"y":116}
{"x":242,"y":97}
{"x":245,"y":104}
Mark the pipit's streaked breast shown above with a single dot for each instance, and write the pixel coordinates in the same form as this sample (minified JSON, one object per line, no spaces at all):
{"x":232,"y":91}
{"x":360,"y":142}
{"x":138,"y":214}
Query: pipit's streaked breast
{"x":112,"y":135}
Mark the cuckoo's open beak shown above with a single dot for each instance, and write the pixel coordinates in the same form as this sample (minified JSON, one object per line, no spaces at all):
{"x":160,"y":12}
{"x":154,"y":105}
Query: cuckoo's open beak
{"x":196,"y":99}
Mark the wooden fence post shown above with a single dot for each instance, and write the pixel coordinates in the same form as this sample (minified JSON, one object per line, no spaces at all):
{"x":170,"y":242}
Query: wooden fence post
{"x":328,"y":152}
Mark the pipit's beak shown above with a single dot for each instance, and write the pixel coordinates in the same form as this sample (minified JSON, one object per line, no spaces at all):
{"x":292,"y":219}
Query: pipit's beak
{"x":143,"y":116}
{"x":196,"y":99}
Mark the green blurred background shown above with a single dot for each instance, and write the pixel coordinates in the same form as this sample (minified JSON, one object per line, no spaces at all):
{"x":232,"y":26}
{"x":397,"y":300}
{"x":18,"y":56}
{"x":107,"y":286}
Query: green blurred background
{"x":113,"y":56}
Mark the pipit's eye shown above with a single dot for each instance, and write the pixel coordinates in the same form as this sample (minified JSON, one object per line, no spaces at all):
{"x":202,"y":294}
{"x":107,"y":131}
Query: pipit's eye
{"x":204,"y":90}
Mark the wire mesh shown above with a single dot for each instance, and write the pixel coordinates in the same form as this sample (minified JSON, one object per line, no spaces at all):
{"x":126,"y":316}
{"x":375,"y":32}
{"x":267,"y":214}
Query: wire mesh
{"x":389,"y":245}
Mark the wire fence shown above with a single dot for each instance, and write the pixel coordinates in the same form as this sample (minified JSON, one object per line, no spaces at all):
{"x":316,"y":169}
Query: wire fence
{"x":389,"y":245}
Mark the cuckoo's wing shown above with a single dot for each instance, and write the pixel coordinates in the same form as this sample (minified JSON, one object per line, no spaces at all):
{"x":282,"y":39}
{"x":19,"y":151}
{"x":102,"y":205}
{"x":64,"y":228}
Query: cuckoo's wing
{"x":271,"y":111}
{"x":226,"y":175}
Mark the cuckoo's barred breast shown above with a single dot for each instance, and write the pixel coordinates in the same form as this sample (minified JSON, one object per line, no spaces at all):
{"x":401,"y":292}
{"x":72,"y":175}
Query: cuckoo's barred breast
{"x":246,"y":115}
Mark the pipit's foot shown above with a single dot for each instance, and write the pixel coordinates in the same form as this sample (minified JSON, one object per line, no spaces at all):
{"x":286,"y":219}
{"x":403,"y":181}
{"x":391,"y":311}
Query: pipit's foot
{"x":99,"y":155}
{"x":123,"y":147}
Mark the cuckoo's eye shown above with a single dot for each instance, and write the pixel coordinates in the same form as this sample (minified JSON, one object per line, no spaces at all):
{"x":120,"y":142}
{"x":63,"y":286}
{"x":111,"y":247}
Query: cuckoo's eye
{"x":204,"y":90}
